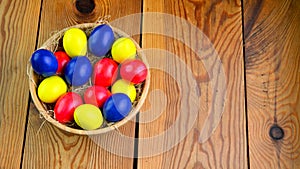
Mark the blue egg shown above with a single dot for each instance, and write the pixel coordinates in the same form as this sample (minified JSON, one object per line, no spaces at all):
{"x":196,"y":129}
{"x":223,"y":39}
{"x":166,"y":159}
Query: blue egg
{"x":116,"y":107}
{"x":101,"y":40}
{"x":44,"y":62}
{"x":78,"y":71}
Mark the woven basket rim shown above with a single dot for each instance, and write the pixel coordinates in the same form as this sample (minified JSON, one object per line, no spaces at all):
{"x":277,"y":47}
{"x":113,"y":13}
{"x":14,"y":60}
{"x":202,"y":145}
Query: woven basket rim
{"x":115,"y":126}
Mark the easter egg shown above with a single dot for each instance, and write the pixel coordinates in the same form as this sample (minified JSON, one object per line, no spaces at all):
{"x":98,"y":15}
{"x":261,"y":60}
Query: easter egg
{"x":51,"y":88}
{"x":101,"y":40}
{"x":44,"y":62}
{"x":65,"y":107}
{"x":96,"y":95}
{"x":75,"y":42}
{"x":122,"y":86}
{"x":134,"y":71}
{"x":62,"y":59}
{"x":88,"y":117}
{"x":78,"y":71}
{"x":105,"y":72}
{"x":116,"y":107}
{"x":123,"y":49}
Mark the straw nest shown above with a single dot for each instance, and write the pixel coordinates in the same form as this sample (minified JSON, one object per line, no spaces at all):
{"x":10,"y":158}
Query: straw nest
{"x":53,"y":44}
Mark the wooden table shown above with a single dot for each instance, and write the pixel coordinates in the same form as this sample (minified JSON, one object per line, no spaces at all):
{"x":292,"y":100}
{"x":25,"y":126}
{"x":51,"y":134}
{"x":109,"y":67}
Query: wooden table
{"x":258,"y":47}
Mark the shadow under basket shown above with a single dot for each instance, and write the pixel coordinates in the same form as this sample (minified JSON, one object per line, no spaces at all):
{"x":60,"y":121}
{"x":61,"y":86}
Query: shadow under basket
{"x":53,"y":44}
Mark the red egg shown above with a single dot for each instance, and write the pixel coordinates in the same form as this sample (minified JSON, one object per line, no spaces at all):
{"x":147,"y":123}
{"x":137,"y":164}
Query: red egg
{"x":65,"y":107}
{"x":105,"y":72}
{"x":62,"y":59}
{"x":96,"y":95}
{"x":134,"y":71}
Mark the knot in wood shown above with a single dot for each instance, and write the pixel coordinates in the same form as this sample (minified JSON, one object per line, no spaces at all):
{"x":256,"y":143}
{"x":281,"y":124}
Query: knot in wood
{"x":85,"y":6}
{"x":276,"y":132}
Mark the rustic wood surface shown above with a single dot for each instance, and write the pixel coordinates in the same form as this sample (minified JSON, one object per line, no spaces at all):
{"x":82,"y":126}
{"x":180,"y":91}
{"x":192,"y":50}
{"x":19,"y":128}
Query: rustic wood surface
{"x":221,"y":22}
{"x":19,"y":24}
{"x":48,"y":147}
{"x":272,"y":56}
{"x":257,"y":42}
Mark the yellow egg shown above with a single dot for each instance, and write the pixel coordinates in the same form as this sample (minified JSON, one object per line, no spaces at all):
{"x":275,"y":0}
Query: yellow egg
{"x":51,"y":88}
{"x":123,"y":49}
{"x":122,"y":86}
{"x":88,"y":117}
{"x":75,"y":42}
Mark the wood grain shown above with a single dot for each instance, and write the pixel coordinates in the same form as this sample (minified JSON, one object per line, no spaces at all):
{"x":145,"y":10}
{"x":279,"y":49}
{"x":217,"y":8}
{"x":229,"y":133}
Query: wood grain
{"x":273,"y":89}
{"x":19,"y":21}
{"x":272,"y":57}
{"x":221,"y":22}
{"x":49,"y":147}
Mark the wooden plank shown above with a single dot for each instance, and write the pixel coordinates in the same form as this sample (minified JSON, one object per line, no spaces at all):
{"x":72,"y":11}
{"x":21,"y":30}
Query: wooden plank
{"x":19,"y":22}
{"x":221,"y":22}
{"x":48,"y":147}
{"x":273,"y":89}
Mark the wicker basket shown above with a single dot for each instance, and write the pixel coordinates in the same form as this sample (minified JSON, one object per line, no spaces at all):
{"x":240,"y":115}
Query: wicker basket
{"x":46,"y":110}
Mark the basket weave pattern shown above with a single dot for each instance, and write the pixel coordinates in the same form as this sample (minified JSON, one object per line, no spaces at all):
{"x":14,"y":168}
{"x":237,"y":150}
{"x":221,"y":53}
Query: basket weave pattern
{"x":53,"y":44}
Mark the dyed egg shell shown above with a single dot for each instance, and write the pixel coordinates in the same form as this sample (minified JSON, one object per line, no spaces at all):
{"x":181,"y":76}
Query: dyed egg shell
{"x":88,"y":117}
{"x":105,"y":72}
{"x":65,"y":107}
{"x":134,"y":71}
{"x":78,"y":71}
{"x":101,"y":40}
{"x":62,"y":59}
{"x":75,"y":42}
{"x":123,"y":49}
{"x":122,"y":86}
{"x":44,"y":62}
{"x":96,"y":95}
{"x":51,"y":88}
{"x":117,"y":107}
